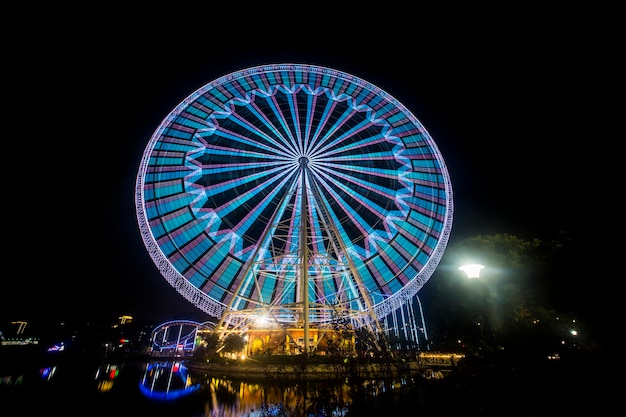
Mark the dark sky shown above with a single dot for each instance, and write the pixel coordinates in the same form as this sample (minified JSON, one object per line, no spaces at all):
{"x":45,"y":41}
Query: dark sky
{"x":515,"y":106}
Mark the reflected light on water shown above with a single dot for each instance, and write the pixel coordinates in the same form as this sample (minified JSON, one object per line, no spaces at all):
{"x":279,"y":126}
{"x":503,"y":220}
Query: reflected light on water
{"x":239,"y":399}
{"x":105,"y":375}
{"x":171,"y":381}
{"x":47,"y":372}
{"x":166,"y":381}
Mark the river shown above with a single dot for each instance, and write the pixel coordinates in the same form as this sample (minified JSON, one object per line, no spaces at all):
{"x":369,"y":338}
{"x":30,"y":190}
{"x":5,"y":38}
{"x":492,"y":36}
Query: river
{"x":92,"y":385}
{"x":97,"y":385}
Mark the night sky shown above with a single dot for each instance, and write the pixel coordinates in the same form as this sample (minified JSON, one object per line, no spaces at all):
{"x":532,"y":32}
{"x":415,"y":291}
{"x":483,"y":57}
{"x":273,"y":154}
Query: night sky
{"x":515,"y":106}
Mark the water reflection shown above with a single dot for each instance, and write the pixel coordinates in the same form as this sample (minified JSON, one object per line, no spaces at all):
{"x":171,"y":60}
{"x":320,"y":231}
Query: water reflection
{"x":163,"y":380}
{"x":46,"y":373}
{"x":170,"y":381}
{"x":106,"y":375}
{"x":90,"y":385}
{"x":268,"y":398}
{"x":126,"y":386}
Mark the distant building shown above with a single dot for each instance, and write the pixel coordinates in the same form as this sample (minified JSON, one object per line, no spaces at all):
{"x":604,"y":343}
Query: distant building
{"x":17,"y":336}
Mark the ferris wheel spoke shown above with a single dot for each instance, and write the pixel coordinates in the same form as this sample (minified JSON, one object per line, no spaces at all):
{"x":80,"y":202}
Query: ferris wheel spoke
{"x":279,"y":114}
{"x":321,"y":114}
{"x":271,"y":132}
{"x":357,"y":195}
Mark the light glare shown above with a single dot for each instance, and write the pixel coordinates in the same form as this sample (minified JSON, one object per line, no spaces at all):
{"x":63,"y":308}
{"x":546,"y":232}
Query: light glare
{"x":472,"y":270}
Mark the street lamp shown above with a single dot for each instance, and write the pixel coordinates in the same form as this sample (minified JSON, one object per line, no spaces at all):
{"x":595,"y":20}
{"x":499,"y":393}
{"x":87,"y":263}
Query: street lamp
{"x":472,"y":270}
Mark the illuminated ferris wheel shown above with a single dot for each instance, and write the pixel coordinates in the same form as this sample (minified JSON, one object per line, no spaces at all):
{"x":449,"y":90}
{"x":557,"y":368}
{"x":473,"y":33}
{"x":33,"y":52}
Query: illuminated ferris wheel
{"x":293,"y":192}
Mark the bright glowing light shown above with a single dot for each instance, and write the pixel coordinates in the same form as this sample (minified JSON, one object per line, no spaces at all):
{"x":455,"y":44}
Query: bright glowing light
{"x":262,"y":320}
{"x":59,"y":347}
{"x":472,"y":270}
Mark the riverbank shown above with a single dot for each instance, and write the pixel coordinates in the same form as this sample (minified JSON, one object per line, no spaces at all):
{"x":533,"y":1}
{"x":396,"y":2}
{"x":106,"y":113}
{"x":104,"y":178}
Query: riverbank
{"x":254,"y":369}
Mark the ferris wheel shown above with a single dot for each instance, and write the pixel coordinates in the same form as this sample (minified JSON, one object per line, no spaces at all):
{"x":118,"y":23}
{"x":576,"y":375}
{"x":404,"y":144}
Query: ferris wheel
{"x":293,"y":192}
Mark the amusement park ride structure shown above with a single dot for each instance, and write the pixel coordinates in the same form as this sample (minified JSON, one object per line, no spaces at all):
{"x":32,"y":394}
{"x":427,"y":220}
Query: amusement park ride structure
{"x":299,"y":195}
